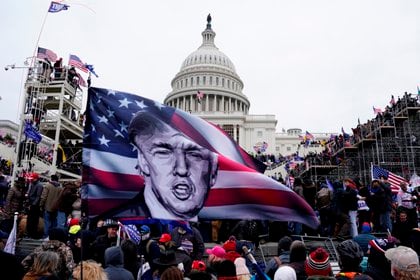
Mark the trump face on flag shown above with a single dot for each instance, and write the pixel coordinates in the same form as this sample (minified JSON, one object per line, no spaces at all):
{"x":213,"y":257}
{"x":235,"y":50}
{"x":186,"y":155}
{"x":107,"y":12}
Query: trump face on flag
{"x":178,"y":173}
{"x":143,"y":159}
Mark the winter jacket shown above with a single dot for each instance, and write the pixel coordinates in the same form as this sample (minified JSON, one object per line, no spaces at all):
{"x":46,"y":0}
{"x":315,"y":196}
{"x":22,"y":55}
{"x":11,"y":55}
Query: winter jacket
{"x":114,"y":262}
{"x":14,"y":201}
{"x":50,"y":195}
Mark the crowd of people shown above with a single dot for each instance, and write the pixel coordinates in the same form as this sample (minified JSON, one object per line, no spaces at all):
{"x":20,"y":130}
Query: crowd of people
{"x":377,"y":238}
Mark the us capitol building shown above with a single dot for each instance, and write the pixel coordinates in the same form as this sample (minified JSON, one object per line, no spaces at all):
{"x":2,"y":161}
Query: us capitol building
{"x":208,"y":86}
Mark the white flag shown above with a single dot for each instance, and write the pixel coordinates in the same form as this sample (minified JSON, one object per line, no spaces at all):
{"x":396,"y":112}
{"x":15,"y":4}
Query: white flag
{"x":11,"y":240}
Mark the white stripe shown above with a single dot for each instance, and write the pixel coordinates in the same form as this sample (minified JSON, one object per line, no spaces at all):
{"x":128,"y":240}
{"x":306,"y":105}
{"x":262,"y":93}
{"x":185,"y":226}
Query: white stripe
{"x":245,"y":179}
{"x":109,"y":162}
{"x":222,"y":144}
{"x":91,"y":191}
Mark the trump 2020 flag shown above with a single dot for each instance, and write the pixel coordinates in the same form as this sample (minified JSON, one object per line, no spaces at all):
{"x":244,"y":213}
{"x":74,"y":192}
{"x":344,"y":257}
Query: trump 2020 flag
{"x":144,"y":159}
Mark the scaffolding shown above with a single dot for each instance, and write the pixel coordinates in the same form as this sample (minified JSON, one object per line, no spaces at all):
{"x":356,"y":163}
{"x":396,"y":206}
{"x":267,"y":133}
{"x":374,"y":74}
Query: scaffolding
{"x":52,"y":107}
{"x":391,"y":141}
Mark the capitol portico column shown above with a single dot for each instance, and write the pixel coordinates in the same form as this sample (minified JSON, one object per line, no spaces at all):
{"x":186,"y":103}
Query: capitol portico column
{"x":207,"y":103}
{"x":214,"y":105}
{"x":192,"y":105}
{"x":222,"y":108}
{"x":183,"y":103}
{"x":234,"y":132}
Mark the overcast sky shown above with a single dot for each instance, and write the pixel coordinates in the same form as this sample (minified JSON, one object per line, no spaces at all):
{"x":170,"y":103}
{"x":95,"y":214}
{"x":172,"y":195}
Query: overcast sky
{"x":316,"y":65}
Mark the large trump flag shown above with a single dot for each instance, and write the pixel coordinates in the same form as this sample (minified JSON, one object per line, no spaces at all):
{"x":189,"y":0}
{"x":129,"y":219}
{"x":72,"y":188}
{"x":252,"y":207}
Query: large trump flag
{"x":111,"y":178}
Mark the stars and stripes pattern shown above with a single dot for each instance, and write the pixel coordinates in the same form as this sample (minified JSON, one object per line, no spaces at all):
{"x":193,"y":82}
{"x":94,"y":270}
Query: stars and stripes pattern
{"x":46,"y":54}
{"x":110,"y":177}
{"x":377,"y":110}
{"x":77,"y":62}
{"x":199,"y":96}
{"x":132,"y":232}
{"x":393,"y":178}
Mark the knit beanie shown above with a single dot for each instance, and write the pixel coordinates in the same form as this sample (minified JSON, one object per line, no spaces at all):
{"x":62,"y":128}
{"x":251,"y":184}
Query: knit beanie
{"x":318,"y":263}
{"x":366,"y":228}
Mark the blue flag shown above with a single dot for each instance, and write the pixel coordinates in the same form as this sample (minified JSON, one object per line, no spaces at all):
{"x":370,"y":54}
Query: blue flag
{"x":91,"y":69}
{"x":32,"y":133}
{"x":57,"y":7}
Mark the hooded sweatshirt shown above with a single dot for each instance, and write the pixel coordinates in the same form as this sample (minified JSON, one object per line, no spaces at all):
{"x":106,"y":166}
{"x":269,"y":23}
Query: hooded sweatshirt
{"x":114,"y":262}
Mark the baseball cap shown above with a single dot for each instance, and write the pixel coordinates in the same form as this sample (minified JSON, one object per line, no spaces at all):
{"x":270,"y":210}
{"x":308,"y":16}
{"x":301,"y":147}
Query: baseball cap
{"x":165,"y":238}
{"x":198,"y":265}
{"x":217,"y":251}
{"x":144,"y":229}
{"x":404,"y":258}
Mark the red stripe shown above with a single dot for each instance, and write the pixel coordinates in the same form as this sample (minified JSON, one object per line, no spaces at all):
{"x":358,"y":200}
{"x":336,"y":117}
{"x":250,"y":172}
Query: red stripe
{"x":112,"y":181}
{"x":100,"y":206}
{"x":230,"y":165}
{"x":268,"y":197}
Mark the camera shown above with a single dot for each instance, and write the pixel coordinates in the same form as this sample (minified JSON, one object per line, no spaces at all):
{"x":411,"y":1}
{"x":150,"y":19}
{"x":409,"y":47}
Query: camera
{"x":6,"y":68}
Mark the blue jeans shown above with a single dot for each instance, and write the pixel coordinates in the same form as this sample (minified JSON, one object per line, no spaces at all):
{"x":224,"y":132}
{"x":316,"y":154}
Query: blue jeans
{"x":61,"y":220}
{"x":385,"y":221}
{"x":50,"y":221}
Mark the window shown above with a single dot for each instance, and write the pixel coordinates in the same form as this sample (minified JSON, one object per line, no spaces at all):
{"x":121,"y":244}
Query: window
{"x":211,"y":79}
{"x":228,"y":128}
{"x":192,"y":81}
{"x":204,"y":80}
{"x":259,"y":133}
{"x":198,"y":81}
{"x":277,"y":149}
{"x":228,"y":81}
{"x":223,"y":82}
{"x":186,"y":82}
{"x":288,"y":149}
{"x":182,"y":83}
{"x":217,"y":81}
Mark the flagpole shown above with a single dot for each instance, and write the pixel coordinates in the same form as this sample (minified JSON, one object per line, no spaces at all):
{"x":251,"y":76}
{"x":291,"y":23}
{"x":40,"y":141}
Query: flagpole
{"x":39,"y":38}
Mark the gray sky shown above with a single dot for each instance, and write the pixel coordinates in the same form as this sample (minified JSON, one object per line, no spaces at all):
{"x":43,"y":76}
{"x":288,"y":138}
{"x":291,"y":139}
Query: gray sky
{"x":316,"y":65}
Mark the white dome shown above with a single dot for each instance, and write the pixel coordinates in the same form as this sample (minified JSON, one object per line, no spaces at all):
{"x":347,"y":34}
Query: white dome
{"x":208,"y":55}
{"x":207,"y":81}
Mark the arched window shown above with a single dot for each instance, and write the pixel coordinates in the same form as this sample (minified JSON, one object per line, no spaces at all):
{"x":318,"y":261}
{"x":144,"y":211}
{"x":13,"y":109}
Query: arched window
{"x":228,"y":83}
{"x":204,"y":80}
{"x":198,"y":81}
{"x":223,"y":82}
{"x":186,"y":82}
{"x":182,"y":83}
{"x":192,"y":81}
{"x":211,"y":80}
{"x":217,"y":81}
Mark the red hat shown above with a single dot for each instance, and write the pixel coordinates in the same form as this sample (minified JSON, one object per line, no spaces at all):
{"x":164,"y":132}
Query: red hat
{"x":198,"y":265}
{"x":230,"y":245}
{"x":73,"y":222}
{"x":165,"y":238}
{"x":318,"y":263}
{"x":217,"y":251}
{"x":33,"y":176}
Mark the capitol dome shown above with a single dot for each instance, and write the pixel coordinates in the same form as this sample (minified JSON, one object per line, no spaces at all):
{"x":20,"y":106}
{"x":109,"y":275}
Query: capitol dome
{"x":207,"y":83}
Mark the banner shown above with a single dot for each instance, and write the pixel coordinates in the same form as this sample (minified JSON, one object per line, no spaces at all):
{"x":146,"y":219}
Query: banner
{"x":144,"y":159}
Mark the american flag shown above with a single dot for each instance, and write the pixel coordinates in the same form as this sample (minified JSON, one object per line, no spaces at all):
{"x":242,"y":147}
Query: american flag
{"x":132,"y":232}
{"x":110,"y":177}
{"x":46,"y":54}
{"x":393,"y":179}
{"x":309,"y":136}
{"x":199,"y":96}
{"x":377,"y":110}
{"x":77,"y":62}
